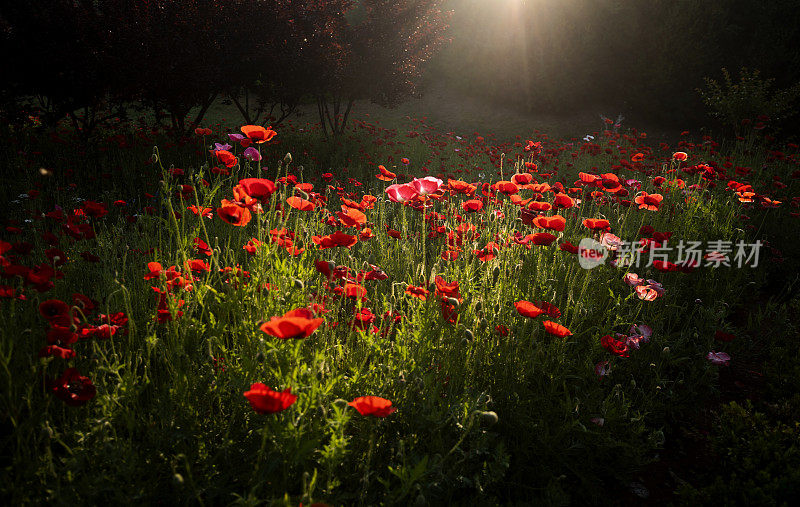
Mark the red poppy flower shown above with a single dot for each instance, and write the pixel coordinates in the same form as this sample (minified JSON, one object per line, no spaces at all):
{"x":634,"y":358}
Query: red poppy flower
{"x":461,"y":187}
{"x":233,"y":213}
{"x":550,"y":309}
{"x":227,"y":158}
{"x":539,"y":206}
{"x":300,"y":204}
{"x":338,"y":238}
{"x":556,"y":329}
{"x":56,"y":351}
{"x":350,"y":217}
{"x":554,"y":223}
{"x":297,"y":323}
{"x":417,"y":292}
{"x":649,"y":201}
{"x":542,"y":238}
{"x":563,"y":201}
{"x":201,"y":247}
{"x":258,"y":134}
{"x":447,"y":289}
{"x":680,"y":156}
{"x":506,"y":187}
{"x":56,"y":312}
{"x":528,"y":309}
{"x":266,"y":401}
{"x":372,"y":405}
{"x":472,"y":205}
{"x":385,"y":174}
{"x":616,"y":347}
{"x":72,"y":388}
{"x":568,"y":247}
{"x":258,"y":188}
{"x":597,"y":224}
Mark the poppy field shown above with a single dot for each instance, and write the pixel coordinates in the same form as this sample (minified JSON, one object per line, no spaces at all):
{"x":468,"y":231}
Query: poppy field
{"x":398,"y":316}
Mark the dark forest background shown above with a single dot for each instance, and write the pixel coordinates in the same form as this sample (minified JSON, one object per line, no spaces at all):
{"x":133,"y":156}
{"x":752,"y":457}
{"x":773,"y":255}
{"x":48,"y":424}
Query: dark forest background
{"x":83,"y":59}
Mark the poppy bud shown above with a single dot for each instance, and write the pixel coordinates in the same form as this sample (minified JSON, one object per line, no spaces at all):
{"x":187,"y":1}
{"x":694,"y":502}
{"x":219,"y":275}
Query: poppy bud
{"x":301,"y":193}
{"x":633,"y":383}
{"x":478,"y":306}
{"x":453,"y":302}
{"x":468,"y":335}
{"x":339,"y":402}
{"x":287,"y":159}
{"x":666,"y":350}
{"x":420,"y":501}
{"x":177,"y":479}
{"x":260,"y":357}
{"x":298,"y":284}
{"x":489,"y":418}
{"x":495,"y":274}
{"x":482,"y":324}
{"x":154,"y":158}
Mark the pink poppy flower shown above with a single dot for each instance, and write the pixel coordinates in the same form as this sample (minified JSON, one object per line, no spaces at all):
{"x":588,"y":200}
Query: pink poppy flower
{"x":426,"y":185}
{"x":401,"y":192}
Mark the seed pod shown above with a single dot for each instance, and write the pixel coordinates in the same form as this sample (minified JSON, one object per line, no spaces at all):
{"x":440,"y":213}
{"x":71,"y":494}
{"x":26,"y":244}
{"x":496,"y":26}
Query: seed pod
{"x":287,"y":159}
{"x":489,"y":418}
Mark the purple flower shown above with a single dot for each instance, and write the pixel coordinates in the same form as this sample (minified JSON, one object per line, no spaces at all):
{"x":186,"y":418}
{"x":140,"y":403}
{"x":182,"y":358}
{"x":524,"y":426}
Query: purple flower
{"x":252,"y":154}
{"x":222,"y":147}
{"x":236,"y":137}
{"x":718,"y":358}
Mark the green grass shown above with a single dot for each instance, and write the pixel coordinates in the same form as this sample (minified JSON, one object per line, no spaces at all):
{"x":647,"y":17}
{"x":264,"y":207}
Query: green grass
{"x":481,"y":417}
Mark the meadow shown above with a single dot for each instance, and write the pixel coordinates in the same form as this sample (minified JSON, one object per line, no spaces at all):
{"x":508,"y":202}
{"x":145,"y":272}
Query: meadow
{"x":398,"y":316}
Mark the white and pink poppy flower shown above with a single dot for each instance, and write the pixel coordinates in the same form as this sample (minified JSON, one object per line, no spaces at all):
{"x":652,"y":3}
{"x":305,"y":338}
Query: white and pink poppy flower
{"x":401,"y":192}
{"x":426,"y":185}
{"x":718,"y":358}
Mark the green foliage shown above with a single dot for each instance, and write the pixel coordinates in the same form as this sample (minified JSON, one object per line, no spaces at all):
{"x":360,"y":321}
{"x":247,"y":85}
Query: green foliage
{"x":748,"y":98}
{"x":758,"y":460}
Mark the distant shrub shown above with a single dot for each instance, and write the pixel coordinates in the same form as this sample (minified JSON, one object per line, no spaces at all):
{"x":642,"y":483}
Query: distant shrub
{"x":749,"y":98}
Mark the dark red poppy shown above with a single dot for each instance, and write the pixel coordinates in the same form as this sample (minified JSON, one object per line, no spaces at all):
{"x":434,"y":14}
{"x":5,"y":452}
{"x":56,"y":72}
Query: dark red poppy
{"x":616,"y":347}
{"x":72,"y":388}
{"x":56,"y":312}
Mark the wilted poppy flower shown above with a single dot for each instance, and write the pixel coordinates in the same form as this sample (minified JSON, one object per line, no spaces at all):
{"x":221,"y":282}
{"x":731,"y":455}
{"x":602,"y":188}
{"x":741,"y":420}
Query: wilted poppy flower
{"x":632,"y":279}
{"x":602,"y":369}
{"x":718,"y":358}
{"x":556,"y":329}
{"x":258,"y":134}
{"x":372,"y":405}
{"x":252,"y":154}
{"x":616,"y":347}
{"x":528,"y":309}
{"x":297,"y":323}
{"x":72,"y":388}
{"x":266,"y":401}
